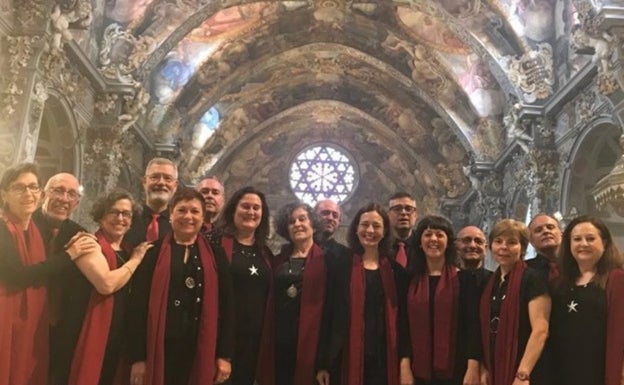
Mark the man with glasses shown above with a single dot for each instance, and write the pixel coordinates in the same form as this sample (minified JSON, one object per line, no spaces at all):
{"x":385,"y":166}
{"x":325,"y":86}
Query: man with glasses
{"x":213,"y":192}
{"x":330,"y":215}
{"x":68,"y":289}
{"x":159,"y":184}
{"x":471,"y":245}
{"x":403,"y":215}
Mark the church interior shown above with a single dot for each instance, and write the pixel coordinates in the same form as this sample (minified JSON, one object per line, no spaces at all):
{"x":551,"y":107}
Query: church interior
{"x":482,"y":109}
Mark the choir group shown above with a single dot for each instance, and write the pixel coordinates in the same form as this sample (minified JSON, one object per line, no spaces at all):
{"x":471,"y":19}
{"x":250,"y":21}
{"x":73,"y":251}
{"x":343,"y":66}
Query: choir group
{"x":183,"y":290}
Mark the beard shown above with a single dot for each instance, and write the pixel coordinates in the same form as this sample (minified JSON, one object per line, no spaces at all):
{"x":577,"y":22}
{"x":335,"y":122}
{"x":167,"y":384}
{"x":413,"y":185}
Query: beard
{"x":471,"y":264}
{"x":159,"y":197}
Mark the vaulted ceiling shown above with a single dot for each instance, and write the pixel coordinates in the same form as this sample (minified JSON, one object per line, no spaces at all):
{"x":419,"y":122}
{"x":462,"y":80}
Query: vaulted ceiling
{"x":413,"y":90}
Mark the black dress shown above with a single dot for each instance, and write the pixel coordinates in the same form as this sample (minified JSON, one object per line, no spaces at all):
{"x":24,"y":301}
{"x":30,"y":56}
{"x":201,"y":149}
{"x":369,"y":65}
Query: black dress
{"x":468,"y":337}
{"x":532,"y":286}
{"x":251,"y":279}
{"x":288,"y":285}
{"x":375,"y":368}
{"x":578,"y":332}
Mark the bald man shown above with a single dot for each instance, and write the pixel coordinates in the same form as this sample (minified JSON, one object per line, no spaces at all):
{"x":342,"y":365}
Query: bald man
{"x":331,"y":215}
{"x":69,"y":290}
{"x":471,"y":245}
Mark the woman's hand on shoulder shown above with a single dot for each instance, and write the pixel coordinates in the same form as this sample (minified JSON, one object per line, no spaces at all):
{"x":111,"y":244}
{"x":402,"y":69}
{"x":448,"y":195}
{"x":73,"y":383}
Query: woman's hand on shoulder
{"x":139,"y":252}
{"x":82,"y":244}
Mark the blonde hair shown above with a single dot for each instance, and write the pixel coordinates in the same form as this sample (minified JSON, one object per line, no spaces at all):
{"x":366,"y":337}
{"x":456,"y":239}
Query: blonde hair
{"x":511,"y":227}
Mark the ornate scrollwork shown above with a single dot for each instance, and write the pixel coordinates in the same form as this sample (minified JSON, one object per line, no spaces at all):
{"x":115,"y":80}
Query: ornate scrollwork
{"x":533,"y":73}
{"x":115,"y":65}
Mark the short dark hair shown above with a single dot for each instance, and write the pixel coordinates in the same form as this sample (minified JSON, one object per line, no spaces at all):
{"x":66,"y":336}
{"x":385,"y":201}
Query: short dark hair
{"x":12,"y":173}
{"x":353,"y":239}
{"x":105,"y":202}
{"x":433,"y":222}
{"x":611,"y":259}
{"x":401,"y":194}
{"x":226,"y":220}
{"x":187,"y":194}
{"x":284,"y":215}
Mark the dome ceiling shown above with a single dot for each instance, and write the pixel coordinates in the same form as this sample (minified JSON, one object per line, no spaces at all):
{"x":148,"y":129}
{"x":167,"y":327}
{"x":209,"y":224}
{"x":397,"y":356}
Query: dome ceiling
{"x":422,"y":85}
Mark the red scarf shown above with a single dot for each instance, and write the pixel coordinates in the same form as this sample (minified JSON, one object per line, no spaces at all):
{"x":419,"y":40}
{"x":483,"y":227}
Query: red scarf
{"x":89,"y":352}
{"x":434,"y":357}
{"x":204,"y":366}
{"x":615,"y":332}
{"x":265,"y":367}
{"x":24,"y":321}
{"x":353,"y":369}
{"x":506,"y":349}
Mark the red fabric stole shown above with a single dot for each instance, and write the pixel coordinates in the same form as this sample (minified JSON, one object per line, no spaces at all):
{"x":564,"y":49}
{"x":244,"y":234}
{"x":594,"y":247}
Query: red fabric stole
{"x":553,"y":271}
{"x":615,"y":331}
{"x":506,"y":349}
{"x":434,"y":353}
{"x":204,"y":366}
{"x":353,"y":361}
{"x":24,"y":318}
{"x":310,"y":315}
{"x":265,"y":367}
{"x":91,"y":347}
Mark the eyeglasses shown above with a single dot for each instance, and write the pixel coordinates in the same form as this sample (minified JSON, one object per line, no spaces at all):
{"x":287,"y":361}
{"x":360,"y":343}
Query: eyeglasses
{"x":467,"y":240}
{"x":115,"y":213}
{"x":400,"y":208}
{"x":22,"y":188}
{"x":156,"y":178}
{"x":59,"y":192}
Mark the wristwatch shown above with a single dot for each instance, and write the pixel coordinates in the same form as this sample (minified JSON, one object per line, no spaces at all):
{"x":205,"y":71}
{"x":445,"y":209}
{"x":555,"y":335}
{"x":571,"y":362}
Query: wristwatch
{"x":523,"y":376}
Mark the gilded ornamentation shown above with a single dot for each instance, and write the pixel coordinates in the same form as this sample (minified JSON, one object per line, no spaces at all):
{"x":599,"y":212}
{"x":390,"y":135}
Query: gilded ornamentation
{"x":62,"y":21}
{"x":20,"y":53}
{"x":106,"y":103}
{"x":518,"y":130}
{"x":533,"y":73}
{"x":134,"y":108}
{"x":584,"y":107}
{"x":105,"y":155}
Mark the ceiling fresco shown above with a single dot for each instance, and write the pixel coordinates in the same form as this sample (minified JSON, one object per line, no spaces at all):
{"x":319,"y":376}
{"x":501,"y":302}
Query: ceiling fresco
{"x":241,"y":86}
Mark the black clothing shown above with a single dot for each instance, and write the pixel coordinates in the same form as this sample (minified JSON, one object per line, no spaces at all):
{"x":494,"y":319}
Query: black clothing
{"x":481,"y":277}
{"x":69,"y":294}
{"x":251,"y":278}
{"x":532,"y":286}
{"x":335,"y":327}
{"x":468,"y":337}
{"x":138,"y":229}
{"x":288,"y":285}
{"x":183,"y":308}
{"x":332,"y":247}
{"x":578,"y":335}
{"x":541,"y":264}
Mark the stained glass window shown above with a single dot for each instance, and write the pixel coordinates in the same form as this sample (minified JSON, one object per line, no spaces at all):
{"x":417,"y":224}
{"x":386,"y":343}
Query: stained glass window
{"x":322,"y":172}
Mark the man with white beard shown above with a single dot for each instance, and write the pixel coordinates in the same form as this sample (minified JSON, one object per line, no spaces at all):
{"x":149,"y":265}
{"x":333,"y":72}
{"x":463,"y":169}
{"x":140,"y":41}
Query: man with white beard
{"x":159,"y":184}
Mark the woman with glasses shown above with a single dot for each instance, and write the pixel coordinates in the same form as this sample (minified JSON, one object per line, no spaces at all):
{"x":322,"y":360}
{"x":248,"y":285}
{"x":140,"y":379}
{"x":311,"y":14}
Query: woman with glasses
{"x":442,"y":310}
{"x":24,"y":272}
{"x":366,"y":324}
{"x":182,"y":322}
{"x":300,"y":286}
{"x":94,"y":329}
{"x":514,"y":310}
{"x":587,"y":336}
{"x":242,"y":231}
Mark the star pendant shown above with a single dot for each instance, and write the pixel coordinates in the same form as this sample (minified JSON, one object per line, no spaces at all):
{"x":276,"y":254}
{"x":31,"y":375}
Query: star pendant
{"x":253,"y":270}
{"x":572,"y":306}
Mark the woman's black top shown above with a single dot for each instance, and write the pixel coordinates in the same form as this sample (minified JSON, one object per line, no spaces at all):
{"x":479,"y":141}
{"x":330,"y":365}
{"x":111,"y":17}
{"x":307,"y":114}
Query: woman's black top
{"x":288,"y":286}
{"x":578,"y":333}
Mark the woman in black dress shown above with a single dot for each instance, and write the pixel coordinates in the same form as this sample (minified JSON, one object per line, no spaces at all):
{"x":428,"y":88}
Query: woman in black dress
{"x":181,"y":330}
{"x":96,"y":345}
{"x":242,"y":231}
{"x":366,"y":322}
{"x":442,"y":310}
{"x":300,"y":286}
{"x":514,"y":311}
{"x":587,"y":336}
